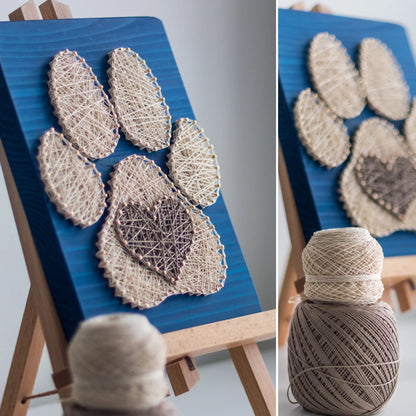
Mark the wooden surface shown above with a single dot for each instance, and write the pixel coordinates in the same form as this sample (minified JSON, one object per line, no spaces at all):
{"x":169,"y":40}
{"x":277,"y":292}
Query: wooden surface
{"x":27,"y":11}
{"x":218,"y":336}
{"x":255,"y":379}
{"x":68,"y":253}
{"x":52,"y":9}
{"x":316,"y":188}
{"x":285,"y":308}
{"x":25,"y":363}
{"x":183,"y":375}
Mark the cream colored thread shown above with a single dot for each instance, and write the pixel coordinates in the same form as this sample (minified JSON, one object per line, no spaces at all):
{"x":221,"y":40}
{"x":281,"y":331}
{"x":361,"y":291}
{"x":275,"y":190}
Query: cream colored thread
{"x":380,"y":138}
{"x":343,"y":265}
{"x":388,"y":93}
{"x":409,"y":128}
{"x":335,"y":77}
{"x":123,"y":380}
{"x":193,"y":164}
{"x":117,"y":362}
{"x":341,"y":279}
{"x":137,"y":97}
{"x":322,"y":133}
{"x":83,"y":109}
{"x":204,"y":272}
{"x":71,"y":181}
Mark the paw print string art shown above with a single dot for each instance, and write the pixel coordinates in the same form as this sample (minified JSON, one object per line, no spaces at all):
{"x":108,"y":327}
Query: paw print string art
{"x":154,"y":242}
{"x":378,"y":184}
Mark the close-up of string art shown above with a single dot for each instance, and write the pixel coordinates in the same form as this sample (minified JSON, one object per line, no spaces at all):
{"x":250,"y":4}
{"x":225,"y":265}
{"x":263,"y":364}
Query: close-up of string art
{"x":154,"y":242}
{"x":378,"y":184}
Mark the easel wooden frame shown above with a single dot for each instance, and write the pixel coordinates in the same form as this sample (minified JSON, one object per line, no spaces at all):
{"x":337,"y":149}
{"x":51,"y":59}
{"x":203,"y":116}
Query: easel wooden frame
{"x":40,"y":321}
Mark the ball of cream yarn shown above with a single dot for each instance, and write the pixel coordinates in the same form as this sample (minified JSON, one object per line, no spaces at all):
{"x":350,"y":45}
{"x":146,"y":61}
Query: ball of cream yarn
{"x":343,"y":265}
{"x":117,"y":363}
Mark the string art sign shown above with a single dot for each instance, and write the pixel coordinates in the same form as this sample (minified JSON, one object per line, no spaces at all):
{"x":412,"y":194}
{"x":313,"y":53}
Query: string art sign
{"x":390,"y":184}
{"x":373,"y":186}
{"x":106,"y":154}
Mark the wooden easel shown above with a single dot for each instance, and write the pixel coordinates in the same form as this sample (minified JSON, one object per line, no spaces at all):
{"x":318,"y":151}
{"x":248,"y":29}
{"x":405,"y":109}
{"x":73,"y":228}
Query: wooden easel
{"x":40,"y":321}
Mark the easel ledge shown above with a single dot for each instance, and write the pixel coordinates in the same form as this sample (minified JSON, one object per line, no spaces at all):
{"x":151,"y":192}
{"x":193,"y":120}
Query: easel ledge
{"x":40,"y":321}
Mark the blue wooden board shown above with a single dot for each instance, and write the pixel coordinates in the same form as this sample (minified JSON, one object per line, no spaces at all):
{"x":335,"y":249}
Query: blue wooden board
{"x":67,"y":252}
{"x":315,"y":188}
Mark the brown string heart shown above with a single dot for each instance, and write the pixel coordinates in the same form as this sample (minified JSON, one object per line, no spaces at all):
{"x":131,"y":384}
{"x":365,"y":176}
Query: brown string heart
{"x":159,"y":237}
{"x":392,"y":183}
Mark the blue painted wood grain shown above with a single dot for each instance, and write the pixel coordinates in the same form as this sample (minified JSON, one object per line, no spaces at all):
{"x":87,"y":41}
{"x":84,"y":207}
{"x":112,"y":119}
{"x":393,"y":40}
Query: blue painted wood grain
{"x":67,"y":252}
{"x":316,"y":188}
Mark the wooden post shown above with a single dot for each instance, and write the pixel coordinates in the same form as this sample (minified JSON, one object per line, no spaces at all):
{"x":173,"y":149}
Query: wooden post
{"x":28,"y":11}
{"x":285,"y":308}
{"x":183,"y":374}
{"x":52,"y":9}
{"x":255,"y":379}
{"x":25,"y":363}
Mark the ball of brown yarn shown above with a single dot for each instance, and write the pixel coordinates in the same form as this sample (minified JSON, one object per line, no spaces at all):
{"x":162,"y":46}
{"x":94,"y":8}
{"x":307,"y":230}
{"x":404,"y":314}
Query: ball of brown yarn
{"x":343,"y":359}
{"x":343,"y":265}
{"x":117,"y":363}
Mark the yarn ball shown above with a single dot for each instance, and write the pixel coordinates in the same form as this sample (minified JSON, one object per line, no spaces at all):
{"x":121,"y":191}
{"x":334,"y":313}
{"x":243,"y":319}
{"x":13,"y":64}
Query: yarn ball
{"x":163,"y":409}
{"x":117,"y":363}
{"x":343,"y":358}
{"x":343,"y":265}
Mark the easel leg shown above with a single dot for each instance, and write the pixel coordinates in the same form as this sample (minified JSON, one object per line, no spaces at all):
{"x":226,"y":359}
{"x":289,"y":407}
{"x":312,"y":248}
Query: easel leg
{"x":255,"y":379}
{"x":285,"y":308}
{"x":25,"y":363}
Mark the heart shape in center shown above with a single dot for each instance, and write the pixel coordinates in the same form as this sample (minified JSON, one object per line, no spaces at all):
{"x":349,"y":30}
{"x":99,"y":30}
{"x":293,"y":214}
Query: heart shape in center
{"x":390,"y":183}
{"x":159,"y":237}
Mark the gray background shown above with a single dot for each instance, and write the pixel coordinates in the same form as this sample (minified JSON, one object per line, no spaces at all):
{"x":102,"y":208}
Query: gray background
{"x":225,"y":51}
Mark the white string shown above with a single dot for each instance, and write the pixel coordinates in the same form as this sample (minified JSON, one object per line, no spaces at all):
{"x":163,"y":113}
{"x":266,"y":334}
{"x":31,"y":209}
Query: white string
{"x":343,"y":265}
{"x":193,"y":164}
{"x":137,"y":97}
{"x":335,"y":77}
{"x":83,"y":109}
{"x":388,"y":93}
{"x":71,"y":181}
{"x":324,"y":135}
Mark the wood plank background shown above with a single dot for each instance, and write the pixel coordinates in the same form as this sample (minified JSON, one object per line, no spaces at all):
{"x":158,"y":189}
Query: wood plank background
{"x":316,"y":188}
{"x":67,"y":252}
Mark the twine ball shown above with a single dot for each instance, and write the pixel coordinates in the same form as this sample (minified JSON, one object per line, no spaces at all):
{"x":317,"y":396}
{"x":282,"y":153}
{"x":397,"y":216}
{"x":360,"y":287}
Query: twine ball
{"x":343,"y":358}
{"x":343,"y":265}
{"x":117,"y":363}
